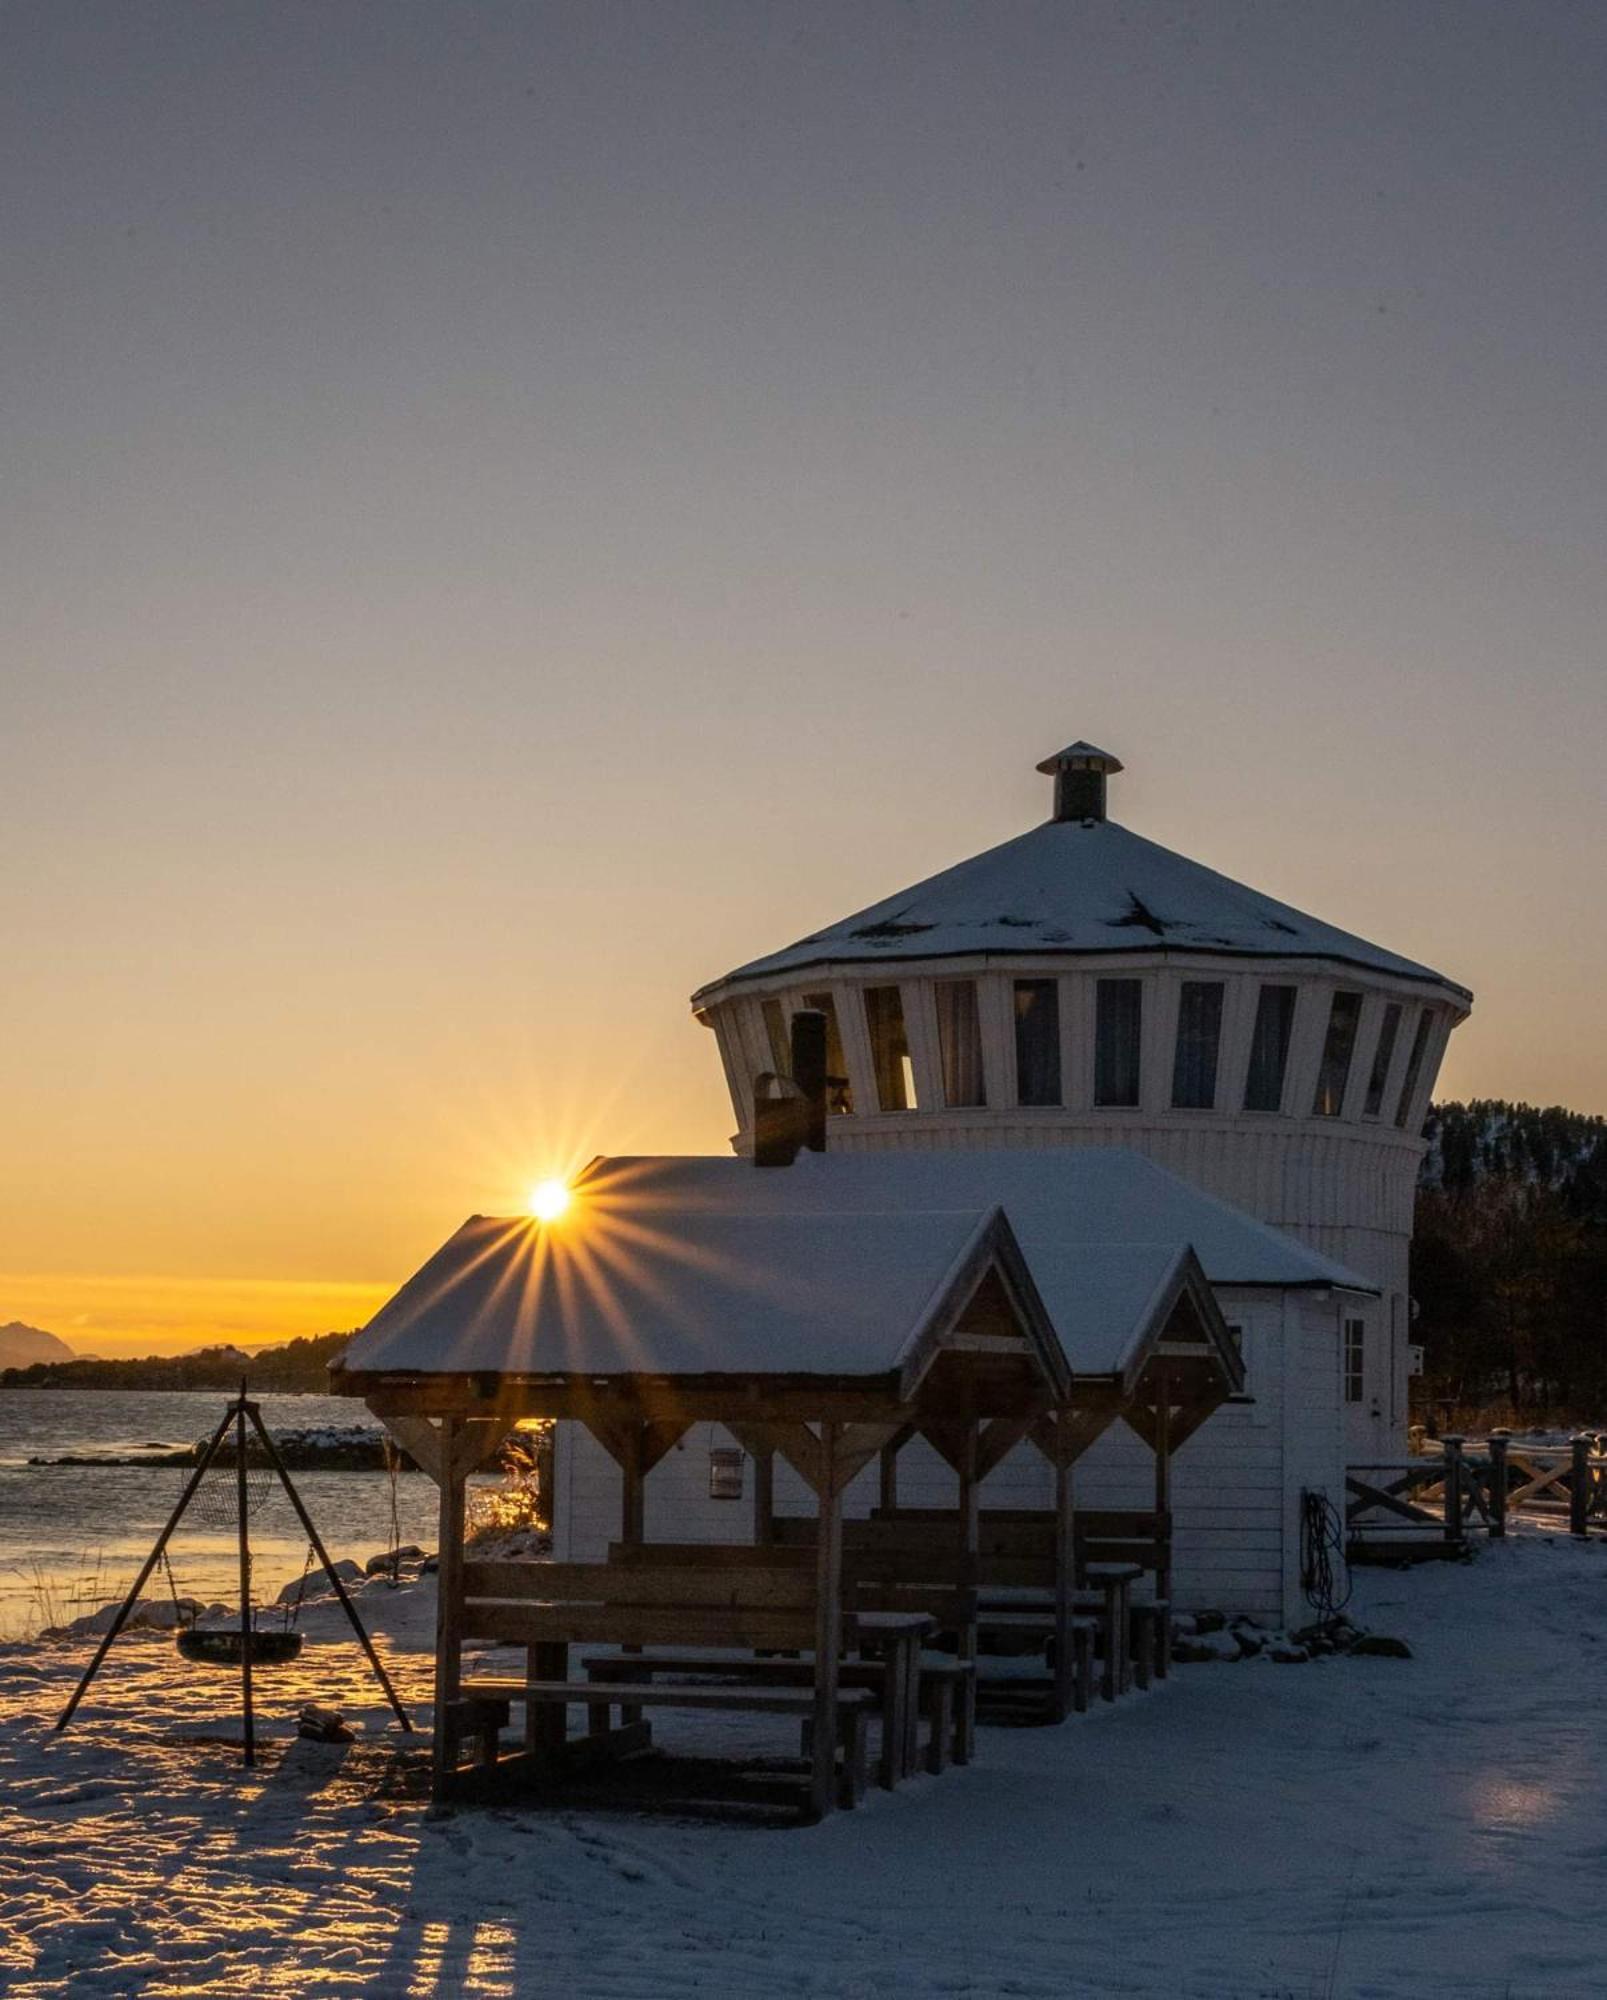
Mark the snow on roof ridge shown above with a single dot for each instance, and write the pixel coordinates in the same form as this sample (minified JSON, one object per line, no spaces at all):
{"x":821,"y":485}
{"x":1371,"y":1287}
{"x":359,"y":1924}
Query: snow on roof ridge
{"x":1078,"y":887}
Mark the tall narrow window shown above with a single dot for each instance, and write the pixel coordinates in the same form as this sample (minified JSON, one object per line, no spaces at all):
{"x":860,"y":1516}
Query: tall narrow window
{"x":1118,"y":1040}
{"x":839,"y":1091}
{"x":959,"y":1041}
{"x":1383,"y":1056}
{"x":1037,"y":1041}
{"x":1269,"y":1048}
{"x":1199,"y":1034}
{"x":1355,"y":1360}
{"x":889,"y":1048}
{"x":1339,"y":1045}
{"x":775,"y":1033}
{"x":1414,"y":1067}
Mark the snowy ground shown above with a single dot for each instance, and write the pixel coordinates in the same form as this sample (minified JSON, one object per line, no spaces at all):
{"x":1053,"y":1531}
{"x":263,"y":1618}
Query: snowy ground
{"x":1353,"y":1826}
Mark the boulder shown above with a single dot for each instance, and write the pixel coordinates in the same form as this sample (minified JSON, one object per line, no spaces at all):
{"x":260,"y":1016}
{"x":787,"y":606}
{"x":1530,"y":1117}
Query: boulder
{"x":1380,"y":1646}
{"x":390,"y":1561}
{"x":1205,"y":1646}
{"x":318,"y":1582}
{"x":1287,"y":1654}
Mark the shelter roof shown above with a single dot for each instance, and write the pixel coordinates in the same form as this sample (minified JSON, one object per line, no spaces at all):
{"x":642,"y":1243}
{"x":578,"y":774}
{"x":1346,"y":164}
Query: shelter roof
{"x":617,"y":1289}
{"x":1078,"y":887}
{"x":1077,"y":1212}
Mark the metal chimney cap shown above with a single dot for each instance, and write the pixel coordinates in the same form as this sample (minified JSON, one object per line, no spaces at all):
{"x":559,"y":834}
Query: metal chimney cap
{"x":1080,"y":757}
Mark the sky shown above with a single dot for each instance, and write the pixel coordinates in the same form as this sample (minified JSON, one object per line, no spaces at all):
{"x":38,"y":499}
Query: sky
{"x":511,"y":511}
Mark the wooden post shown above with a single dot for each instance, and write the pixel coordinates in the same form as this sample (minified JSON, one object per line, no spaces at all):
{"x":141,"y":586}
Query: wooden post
{"x":1452,"y":1447}
{"x":1498,"y":1483}
{"x":1579,"y":1487}
{"x":887,"y":1499}
{"x":633,"y":1498}
{"x":828,"y":1624}
{"x":971,"y":1544}
{"x":764,"y":1498}
{"x":448,"y":1608}
{"x":242,"y":1507}
{"x":1066,"y":1689}
{"x":1163,"y":1488}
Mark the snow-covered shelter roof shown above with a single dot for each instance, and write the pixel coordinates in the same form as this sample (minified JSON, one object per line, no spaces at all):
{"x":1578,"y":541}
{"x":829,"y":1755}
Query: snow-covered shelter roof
{"x":1062,"y":1204}
{"x":620,"y":1290}
{"x":1077,"y":886}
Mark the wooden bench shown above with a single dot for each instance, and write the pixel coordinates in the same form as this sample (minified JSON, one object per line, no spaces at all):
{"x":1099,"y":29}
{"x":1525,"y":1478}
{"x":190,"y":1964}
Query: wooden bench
{"x":855,"y":1707}
{"x":880,"y":1619}
{"x":1133,"y":1535}
{"x":1017,"y":1551}
{"x":939,"y":1696}
{"x":749,"y":1603}
{"x":896,"y":1558}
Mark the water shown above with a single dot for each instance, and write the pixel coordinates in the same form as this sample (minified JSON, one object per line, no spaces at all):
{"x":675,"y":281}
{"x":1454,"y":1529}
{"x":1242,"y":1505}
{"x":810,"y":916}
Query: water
{"x":72,"y":1539}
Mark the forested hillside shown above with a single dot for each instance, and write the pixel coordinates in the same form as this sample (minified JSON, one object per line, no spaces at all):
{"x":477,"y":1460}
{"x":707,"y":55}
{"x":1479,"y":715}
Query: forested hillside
{"x":1509,"y":1266}
{"x":300,"y":1366}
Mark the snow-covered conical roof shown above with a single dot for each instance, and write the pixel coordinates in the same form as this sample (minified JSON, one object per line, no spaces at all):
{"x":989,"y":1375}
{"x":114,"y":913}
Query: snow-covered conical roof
{"x":1079,"y":886}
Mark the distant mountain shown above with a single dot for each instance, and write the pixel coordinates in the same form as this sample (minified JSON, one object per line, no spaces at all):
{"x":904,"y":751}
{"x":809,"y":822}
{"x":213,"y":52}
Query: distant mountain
{"x":21,"y":1346}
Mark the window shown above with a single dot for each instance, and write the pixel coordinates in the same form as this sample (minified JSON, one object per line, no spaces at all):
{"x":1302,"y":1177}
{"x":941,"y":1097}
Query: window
{"x":775,"y":1033}
{"x":1339,"y":1044}
{"x":889,"y":1048}
{"x":1383,"y":1056}
{"x":1355,"y":1359}
{"x":1414,"y":1067}
{"x":1199,"y":1032}
{"x":1269,"y":1048}
{"x":839,"y":1091}
{"x":1118,"y":1033}
{"x":959,"y":1041}
{"x":1037,"y":1041}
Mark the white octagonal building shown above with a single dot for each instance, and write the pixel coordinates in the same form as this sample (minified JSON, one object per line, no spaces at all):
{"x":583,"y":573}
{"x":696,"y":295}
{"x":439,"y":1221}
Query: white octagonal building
{"x":1082,"y":986}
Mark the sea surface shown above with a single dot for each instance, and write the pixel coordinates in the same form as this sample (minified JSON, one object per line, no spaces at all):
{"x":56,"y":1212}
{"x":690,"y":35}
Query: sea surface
{"x":72,"y":1537}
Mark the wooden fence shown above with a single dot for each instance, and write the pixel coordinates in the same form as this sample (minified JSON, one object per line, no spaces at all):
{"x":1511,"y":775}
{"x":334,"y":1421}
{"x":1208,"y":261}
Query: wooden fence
{"x":1428,"y":1505}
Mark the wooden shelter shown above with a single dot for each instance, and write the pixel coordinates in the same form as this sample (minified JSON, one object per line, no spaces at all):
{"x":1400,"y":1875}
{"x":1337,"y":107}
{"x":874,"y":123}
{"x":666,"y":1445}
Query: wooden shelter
{"x":817,"y":1341}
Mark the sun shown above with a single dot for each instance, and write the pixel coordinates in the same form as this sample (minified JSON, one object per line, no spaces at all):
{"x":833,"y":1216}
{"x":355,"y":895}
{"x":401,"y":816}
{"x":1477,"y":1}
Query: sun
{"x":548,"y":1200}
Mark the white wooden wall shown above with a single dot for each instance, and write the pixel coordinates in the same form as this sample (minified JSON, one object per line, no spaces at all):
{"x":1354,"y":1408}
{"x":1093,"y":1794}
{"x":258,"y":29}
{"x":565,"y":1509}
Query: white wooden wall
{"x":1236,"y":1483}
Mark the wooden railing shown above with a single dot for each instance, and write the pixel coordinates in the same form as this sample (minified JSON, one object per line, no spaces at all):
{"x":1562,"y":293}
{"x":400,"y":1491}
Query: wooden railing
{"x":1440,"y":1497}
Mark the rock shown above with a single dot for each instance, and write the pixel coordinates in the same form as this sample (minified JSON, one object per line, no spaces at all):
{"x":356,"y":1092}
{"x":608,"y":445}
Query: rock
{"x":323,"y":1725}
{"x":1210,"y":1621}
{"x":389,"y":1561}
{"x":1206,"y":1646}
{"x":151,"y":1614}
{"x":318,"y":1583}
{"x":1251,"y":1638}
{"x":1185,"y":1621}
{"x":1287,"y":1654}
{"x":1380,"y":1646}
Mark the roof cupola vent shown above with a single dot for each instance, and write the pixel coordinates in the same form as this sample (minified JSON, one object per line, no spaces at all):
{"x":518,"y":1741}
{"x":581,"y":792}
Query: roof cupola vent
{"x":1079,"y":772}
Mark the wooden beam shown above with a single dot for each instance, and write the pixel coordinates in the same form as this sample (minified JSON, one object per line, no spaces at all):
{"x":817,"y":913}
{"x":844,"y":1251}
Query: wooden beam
{"x":796,"y":1442}
{"x":857,"y":1445}
{"x":479,"y":1438}
{"x":695,"y":1400}
{"x":828,"y":1625}
{"x":999,"y":1438}
{"x":660,"y":1438}
{"x":417,"y":1436}
{"x":1064,"y":1435}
